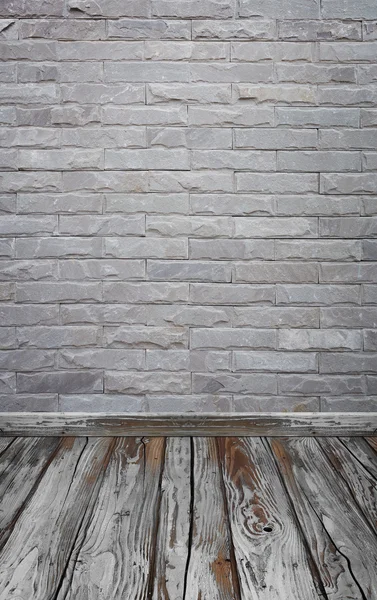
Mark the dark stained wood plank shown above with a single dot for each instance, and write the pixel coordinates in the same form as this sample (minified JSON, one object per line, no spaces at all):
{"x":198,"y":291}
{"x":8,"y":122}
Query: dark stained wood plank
{"x":174,"y":521}
{"x":187,"y":424}
{"x":352,"y":555}
{"x":372,"y":441}
{"x":210,"y":572}
{"x":271,"y":556}
{"x":363,"y":451}
{"x":114,"y":555}
{"x":362,"y":484}
{"x":4,"y":443}
{"x":35,"y":556}
{"x":21,"y":475}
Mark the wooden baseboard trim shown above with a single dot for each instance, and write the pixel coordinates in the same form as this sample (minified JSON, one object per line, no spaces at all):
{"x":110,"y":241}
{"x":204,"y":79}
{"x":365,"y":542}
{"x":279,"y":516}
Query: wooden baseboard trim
{"x":187,"y":424}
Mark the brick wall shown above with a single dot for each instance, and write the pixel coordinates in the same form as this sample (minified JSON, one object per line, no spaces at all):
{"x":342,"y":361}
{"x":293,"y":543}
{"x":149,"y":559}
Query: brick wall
{"x":188,"y":205}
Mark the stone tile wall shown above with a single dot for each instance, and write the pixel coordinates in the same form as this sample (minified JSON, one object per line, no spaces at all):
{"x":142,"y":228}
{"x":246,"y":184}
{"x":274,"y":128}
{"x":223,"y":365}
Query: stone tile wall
{"x":188,"y":198}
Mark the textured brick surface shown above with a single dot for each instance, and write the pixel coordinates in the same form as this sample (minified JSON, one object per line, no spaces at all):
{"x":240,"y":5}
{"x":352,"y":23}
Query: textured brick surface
{"x":188,"y":205}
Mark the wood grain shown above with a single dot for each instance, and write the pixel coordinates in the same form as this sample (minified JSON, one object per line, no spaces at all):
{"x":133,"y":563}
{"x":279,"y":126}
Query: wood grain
{"x":310,"y":477}
{"x":4,"y":443}
{"x":116,"y":550}
{"x":363,"y":451}
{"x":187,"y":424}
{"x":362,"y":484}
{"x":34,"y":558}
{"x":372,"y":441}
{"x":29,"y":457}
{"x":269,"y":548}
{"x":210,"y":573}
{"x":174,"y":521}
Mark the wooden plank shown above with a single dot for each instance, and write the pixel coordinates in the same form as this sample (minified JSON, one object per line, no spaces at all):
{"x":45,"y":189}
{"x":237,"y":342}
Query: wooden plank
{"x":5,"y":442}
{"x":362,"y":450}
{"x":34,"y":558}
{"x":362,"y":485}
{"x":174,"y":521}
{"x":348,"y":565}
{"x":372,"y":441}
{"x":187,"y":424}
{"x":210,"y":569}
{"x":271,"y":556}
{"x":21,"y":477}
{"x":114,"y":556}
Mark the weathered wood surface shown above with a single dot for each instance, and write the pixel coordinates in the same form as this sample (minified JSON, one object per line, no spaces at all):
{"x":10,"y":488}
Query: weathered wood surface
{"x":28,"y":460}
{"x":172,"y":546}
{"x":363,"y":450}
{"x":372,"y":441}
{"x":187,"y":424}
{"x":271,"y":556}
{"x":116,"y":555}
{"x":304,"y":461}
{"x":210,"y":571}
{"x":33,"y":560}
{"x":362,"y":484}
{"x":4,"y":443}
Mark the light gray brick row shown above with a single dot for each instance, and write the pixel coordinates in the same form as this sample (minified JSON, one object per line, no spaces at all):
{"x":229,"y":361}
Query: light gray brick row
{"x":141,"y":115}
{"x":150,"y":158}
{"x":332,"y":385}
{"x":232,"y":204}
{"x":58,"y":160}
{"x":249,"y":160}
{"x":228,"y":339}
{"x":112,"y":403}
{"x":28,"y":402}
{"x":65,"y":115}
{"x":278,"y":51}
{"x":347,"y":9}
{"x":26,"y":270}
{"x":104,"y":181}
{"x":348,"y":227}
{"x":361,"y":183}
{"x":230,"y":115}
{"x":275,"y":139}
{"x":193,"y":138}
{"x":347,"y":52}
{"x":44,"y":181}
{"x":62,"y":29}
{"x":315,"y":74}
{"x":27,"y":360}
{"x":348,"y":139}
{"x":37,"y":8}
{"x":317,"y":30}
{"x":147,"y":203}
{"x":193,"y":51}
{"x":60,"y":382}
{"x":339,"y":362}
{"x":145,"y":292}
{"x":188,"y":271}
{"x":193,"y":94}
{"x":318,"y":117}
{"x":27,"y":50}
{"x":57,"y":337}
{"x":319,"y":250}
{"x":253,"y":29}
{"x":29,"y":314}
{"x":148,"y":382}
{"x":275,"y":362}
{"x":317,"y":295}
{"x":64,"y":72}
{"x":277,"y":183}
{"x":275,"y":272}
{"x":103,"y":269}
{"x":145,"y":248}
{"x":20,"y":225}
{"x":181,"y":360}
{"x":145,"y":72}
{"x":343,"y":95}
{"x":101,"y":358}
{"x":58,"y":247}
{"x":231,"y":73}
{"x":39,"y":137}
{"x":194,"y":181}
{"x":275,"y":227}
{"x":59,"y":203}
{"x":189,"y":226}
{"x":29,"y":93}
{"x":349,"y":404}
{"x":282,"y":10}
{"x":102,"y":225}
{"x":348,"y":273}
{"x":190,"y":9}
{"x":317,"y":161}
{"x":278,"y":93}
{"x":319,"y":339}
{"x":103,"y":93}
{"x":97,"y":51}
{"x":235,"y":383}
{"x":43,"y":292}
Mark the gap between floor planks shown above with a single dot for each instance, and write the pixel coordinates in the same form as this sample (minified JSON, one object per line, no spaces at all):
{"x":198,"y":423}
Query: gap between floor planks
{"x":188,"y":518}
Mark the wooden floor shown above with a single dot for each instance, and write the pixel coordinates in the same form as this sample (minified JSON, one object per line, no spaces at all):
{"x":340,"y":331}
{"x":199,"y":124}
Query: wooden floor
{"x":188,"y":518}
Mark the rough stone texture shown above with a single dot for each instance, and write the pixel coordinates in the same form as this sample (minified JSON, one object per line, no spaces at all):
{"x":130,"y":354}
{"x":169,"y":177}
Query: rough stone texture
{"x":188,"y":205}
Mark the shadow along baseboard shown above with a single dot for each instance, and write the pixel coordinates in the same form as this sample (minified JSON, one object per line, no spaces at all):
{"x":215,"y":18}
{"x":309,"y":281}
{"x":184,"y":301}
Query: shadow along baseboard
{"x":187,"y":424}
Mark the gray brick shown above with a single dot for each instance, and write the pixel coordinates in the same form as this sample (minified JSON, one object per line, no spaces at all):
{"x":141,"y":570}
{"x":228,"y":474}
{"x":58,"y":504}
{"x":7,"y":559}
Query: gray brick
{"x":276,"y":317}
{"x":316,"y":74}
{"x":370,"y":30}
{"x":74,"y":115}
{"x":371,"y":384}
{"x":111,"y":403}
{"x":316,"y":30}
{"x":28,"y":402}
{"x":253,"y":29}
{"x":62,"y":29}
{"x":7,"y":203}
{"x":275,"y":227}
{"x":231,"y":249}
{"x":148,"y":382}
{"x":101,"y":314}
{"x":370,"y":339}
{"x":145,"y":248}
{"x":349,"y":316}
{"x":349,"y":273}
{"x":27,"y":360}
{"x":348,"y":139}
{"x":349,"y":227}
{"x":188,"y":271}
{"x":333,"y":385}
{"x":139,"y":29}
{"x":194,"y":181}
{"x":57,"y":160}
{"x":145,"y":72}
{"x":231,"y":73}
{"x":368,"y":117}
{"x":276,"y":93}
{"x":311,"y":205}
{"x":348,"y":363}
{"x":7,"y":248}
{"x":21,"y":270}
{"x":192,"y":94}
{"x":314,"y":161}
{"x":6,"y":291}
{"x":103,"y":93}
{"x":278,"y":51}
{"x":104,"y":181}
{"x":340,"y":9}
{"x":8,"y":29}
{"x":57,"y":337}
{"x":39,"y":137}
{"x":275,"y":139}
{"x":361,"y":183}
{"x":146,"y":337}
{"x":347,"y":96}
{"x":150,"y":158}
{"x":232,"y":338}
{"x":150,"y":203}
{"x":8,"y":338}
{"x":103,"y":269}
{"x":142,"y":115}
{"x":277,"y":183}
{"x":319,"y":339}
{"x":20,"y":225}
{"x":102,"y":225}
{"x":32,"y":314}
{"x":237,"y":383}
{"x":192,"y":226}
{"x":7,"y":383}
{"x":275,"y":272}
{"x":31,"y":8}
{"x":191,"y":316}
{"x":369,"y":160}
{"x":369,"y":250}
{"x":7,"y":115}
{"x":108,"y":8}
{"x":202,"y":293}
{"x":318,"y":250}
{"x":163,"y":50}
{"x":101,"y":358}
{"x":234,"y":159}
{"x":318,"y":117}
{"x":60,"y":382}
{"x":100,"y":51}
{"x":275,"y":404}
{"x":193,"y":403}
{"x":280,"y":362}
{"x":59,"y":203}
{"x":145,"y":292}
{"x":317,"y":295}
{"x":30,"y":182}
{"x":28,"y":93}
{"x":282,"y":10}
{"x":215,"y":9}
{"x":58,"y":247}
{"x":232,"y":204}
{"x":58,"y":292}
{"x":349,"y":404}
{"x":232,"y":115}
